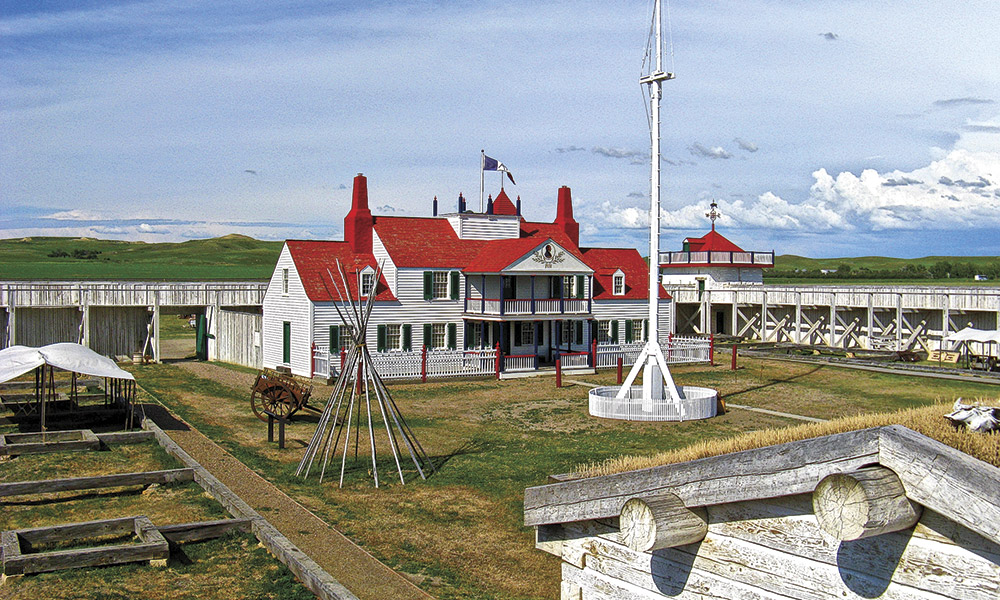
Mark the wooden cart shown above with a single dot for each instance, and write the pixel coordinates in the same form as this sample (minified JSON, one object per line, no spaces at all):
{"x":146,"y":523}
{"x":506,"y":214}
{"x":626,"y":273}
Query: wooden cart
{"x":278,"y":394}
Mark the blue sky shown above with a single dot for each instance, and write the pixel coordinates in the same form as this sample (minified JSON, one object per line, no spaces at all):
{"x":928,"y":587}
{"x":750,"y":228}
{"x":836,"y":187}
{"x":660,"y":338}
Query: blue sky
{"x":838,"y":128}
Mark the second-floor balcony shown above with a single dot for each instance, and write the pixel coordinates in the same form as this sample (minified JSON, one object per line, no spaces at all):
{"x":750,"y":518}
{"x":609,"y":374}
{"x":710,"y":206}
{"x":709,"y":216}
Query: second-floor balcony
{"x":526,"y":306}
{"x":760,"y":259}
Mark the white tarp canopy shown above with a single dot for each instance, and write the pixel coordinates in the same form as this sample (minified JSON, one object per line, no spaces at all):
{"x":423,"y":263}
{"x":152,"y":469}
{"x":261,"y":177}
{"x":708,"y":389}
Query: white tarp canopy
{"x":18,"y":360}
{"x":975,"y":335}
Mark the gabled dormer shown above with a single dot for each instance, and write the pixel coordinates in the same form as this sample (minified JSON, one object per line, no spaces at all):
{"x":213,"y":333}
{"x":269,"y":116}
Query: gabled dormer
{"x":366,"y":281}
{"x":618,"y":283}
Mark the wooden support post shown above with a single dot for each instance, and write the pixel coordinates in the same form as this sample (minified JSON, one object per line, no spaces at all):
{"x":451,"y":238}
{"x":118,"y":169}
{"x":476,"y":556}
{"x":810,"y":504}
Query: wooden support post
{"x":558,"y":371}
{"x":620,"y":361}
{"x":497,"y":359}
{"x":711,"y":350}
{"x":863,"y":503}
{"x":661,"y":521}
{"x":732,"y":367}
{"x":423,"y":363}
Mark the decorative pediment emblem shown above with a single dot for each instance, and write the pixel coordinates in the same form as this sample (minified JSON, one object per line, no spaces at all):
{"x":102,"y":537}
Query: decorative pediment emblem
{"x":548,"y":256}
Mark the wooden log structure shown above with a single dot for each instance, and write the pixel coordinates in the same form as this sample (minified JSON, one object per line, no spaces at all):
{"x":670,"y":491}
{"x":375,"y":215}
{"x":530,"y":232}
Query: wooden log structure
{"x":203,"y":530}
{"x":863,"y":503}
{"x":662,"y":521}
{"x":55,"y":441}
{"x":49,"y":486}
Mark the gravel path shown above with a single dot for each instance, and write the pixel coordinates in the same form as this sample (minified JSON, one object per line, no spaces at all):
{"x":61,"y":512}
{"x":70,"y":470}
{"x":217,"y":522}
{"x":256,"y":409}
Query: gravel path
{"x":347,"y":562}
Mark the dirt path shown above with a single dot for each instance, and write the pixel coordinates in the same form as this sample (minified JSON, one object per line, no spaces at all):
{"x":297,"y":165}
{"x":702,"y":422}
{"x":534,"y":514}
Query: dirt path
{"x":344,"y":560}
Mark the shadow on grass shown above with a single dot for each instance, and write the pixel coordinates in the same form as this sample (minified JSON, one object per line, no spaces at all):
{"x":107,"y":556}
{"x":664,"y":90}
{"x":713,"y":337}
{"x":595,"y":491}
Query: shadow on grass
{"x":774,"y":382}
{"x":162,"y":417}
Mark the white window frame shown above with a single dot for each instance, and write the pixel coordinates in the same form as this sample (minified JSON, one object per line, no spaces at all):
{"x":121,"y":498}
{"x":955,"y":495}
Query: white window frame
{"x":439,"y":336}
{"x":393,"y":330}
{"x":366,"y":281}
{"x":284,"y":281}
{"x":527,"y":333}
{"x":441,"y":280}
{"x":638,"y":326}
{"x":604,"y":332}
{"x":566,"y":333}
{"x":618,"y":283}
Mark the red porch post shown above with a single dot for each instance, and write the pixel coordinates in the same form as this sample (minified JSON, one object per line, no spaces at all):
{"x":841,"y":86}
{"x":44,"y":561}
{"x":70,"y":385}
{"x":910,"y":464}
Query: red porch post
{"x":558,"y":371}
{"x":423,"y":364}
{"x":733,"y":365}
{"x":711,"y":349}
{"x":621,"y":361}
{"x":312,"y":359}
{"x":497,"y":361}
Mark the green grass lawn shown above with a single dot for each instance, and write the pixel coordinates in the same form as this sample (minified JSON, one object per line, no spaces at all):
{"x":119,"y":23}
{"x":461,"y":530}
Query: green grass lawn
{"x":460,"y":532}
{"x":232,"y":257}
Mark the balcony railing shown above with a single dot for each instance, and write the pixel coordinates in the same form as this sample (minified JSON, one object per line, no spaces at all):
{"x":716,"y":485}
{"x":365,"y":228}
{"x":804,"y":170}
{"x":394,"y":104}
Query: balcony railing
{"x":764,"y":259}
{"x":525,"y":306}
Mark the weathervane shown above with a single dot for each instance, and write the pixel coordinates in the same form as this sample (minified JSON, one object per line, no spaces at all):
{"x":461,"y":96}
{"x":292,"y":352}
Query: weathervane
{"x":713,"y":214}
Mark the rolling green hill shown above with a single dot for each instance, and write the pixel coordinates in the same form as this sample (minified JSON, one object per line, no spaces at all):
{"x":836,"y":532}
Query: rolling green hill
{"x":929,"y":270}
{"x":232,"y":257}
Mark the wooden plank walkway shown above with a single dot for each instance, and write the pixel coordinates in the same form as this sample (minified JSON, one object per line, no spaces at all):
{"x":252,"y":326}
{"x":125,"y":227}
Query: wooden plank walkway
{"x":345,"y":561}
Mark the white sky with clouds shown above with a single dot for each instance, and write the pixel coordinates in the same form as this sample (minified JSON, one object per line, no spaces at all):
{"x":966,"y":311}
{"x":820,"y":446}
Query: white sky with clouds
{"x":833,"y":128}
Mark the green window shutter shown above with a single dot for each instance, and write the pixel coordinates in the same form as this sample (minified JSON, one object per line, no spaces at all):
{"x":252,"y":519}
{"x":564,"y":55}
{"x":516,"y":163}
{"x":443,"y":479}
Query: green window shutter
{"x":334,"y":338}
{"x":428,"y":285}
{"x":614,"y":332}
{"x":645,"y":329}
{"x":452,"y":336}
{"x":579,"y":332}
{"x":579,"y":287}
{"x":454,"y":285}
{"x":286,"y":342}
{"x":407,"y":337}
{"x":628,"y":331}
{"x":428,"y":335}
{"x":382,"y":338}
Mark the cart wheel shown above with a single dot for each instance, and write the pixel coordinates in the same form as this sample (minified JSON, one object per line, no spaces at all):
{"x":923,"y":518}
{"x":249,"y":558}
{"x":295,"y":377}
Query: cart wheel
{"x":275,"y":399}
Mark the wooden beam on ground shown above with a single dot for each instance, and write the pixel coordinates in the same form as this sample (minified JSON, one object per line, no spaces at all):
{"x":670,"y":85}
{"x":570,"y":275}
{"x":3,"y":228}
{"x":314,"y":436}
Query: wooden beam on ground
{"x":863,"y":503}
{"x":49,"y":486}
{"x":657,"y":522}
{"x":203,"y":530}
{"x":782,"y":470}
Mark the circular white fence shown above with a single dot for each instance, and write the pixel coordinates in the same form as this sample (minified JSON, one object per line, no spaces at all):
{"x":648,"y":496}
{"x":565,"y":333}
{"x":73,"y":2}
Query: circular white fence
{"x":695,"y":403}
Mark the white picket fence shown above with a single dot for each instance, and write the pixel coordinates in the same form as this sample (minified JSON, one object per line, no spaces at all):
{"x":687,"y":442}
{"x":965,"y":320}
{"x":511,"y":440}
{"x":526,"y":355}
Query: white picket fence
{"x":410,"y":365}
{"x":476,"y":363}
{"x":679,"y":349}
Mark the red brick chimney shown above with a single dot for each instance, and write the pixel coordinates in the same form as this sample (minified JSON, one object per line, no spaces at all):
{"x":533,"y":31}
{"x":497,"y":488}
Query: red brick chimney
{"x":564,"y":215}
{"x":358,"y":223}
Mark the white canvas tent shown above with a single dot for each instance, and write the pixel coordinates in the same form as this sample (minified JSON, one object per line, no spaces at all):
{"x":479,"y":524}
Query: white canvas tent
{"x":18,"y":360}
{"x":975,"y":335}
{"x":985,"y":358}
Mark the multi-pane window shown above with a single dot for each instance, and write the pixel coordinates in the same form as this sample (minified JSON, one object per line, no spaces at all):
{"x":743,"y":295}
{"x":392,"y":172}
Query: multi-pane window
{"x":618,"y":287}
{"x":638,"y":330}
{"x":439,"y":335}
{"x":569,"y":286}
{"x":393,"y":337}
{"x":284,"y":281}
{"x":346,"y":341}
{"x":604,"y":332}
{"x":527,"y":333}
{"x":440,"y":286}
{"x":367,"y":283}
{"x":566,"y":335}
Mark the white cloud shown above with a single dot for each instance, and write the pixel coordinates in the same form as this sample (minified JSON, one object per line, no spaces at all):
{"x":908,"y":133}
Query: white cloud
{"x":698,"y":149}
{"x":76,"y":215}
{"x":147,"y":228}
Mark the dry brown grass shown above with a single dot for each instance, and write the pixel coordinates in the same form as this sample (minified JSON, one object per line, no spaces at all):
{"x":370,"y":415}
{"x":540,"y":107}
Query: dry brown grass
{"x":927,"y":420}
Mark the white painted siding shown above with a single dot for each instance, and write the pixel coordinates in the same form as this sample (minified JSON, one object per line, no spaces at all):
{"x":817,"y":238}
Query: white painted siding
{"x":485,"y":227}
{"x":294,"y":308}
{"x":388,"y":267}
{"x":605,"y":310}
{"x":410,"y":307}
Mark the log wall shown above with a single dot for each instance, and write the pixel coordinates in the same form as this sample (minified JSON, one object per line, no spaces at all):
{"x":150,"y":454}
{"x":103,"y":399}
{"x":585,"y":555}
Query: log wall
{"x":774,"y":548}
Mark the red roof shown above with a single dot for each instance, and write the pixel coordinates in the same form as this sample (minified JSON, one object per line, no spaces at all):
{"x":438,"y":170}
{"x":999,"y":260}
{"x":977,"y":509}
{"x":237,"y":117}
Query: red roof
{"x":428,"y":242}
{"x":315,"y":262}
{"x":502,"y":205}
{"x":606,"y":261}
{"x":713,"y":241}
{"x":497,"y":255}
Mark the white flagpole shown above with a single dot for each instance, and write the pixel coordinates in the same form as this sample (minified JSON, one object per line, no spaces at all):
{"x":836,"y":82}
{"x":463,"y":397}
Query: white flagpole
{"x":482,"y":184}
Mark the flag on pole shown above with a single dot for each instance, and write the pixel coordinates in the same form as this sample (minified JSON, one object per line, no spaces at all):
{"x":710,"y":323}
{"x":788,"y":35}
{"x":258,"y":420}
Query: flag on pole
{"x":492,"y":164}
